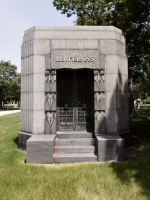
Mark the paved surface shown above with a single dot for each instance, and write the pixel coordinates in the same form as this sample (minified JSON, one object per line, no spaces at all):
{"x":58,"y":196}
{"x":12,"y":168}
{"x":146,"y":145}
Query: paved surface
{"x":7,"y":112}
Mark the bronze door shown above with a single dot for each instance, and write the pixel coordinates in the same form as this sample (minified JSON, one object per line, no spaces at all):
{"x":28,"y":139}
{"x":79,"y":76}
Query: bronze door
{"x":75,"y":100}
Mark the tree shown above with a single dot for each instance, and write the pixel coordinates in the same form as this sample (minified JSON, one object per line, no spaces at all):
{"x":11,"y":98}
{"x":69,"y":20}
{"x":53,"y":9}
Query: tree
{"x":132,"y":17}
{"x":141,"y":86}
{"x":9,"y":82}
{"x":140,"y":89}
{"x":15,"y":87}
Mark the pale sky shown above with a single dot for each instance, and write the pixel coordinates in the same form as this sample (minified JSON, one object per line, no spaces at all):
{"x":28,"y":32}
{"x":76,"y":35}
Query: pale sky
{"x":16,"y":16}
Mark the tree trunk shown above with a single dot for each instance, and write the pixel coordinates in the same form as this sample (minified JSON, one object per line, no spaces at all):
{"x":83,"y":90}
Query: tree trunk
{"x":149,"y":90}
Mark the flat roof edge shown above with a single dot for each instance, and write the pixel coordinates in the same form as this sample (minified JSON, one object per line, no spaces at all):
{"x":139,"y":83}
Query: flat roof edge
{"x":72,"y":28}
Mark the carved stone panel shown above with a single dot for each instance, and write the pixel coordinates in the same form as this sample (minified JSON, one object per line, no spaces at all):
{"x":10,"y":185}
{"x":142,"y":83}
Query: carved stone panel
{"x":99,"y":98}
{"x":50,"y":81}
{"x":99,"y":122}
{"x":99,"y":79}
{"x":99,"y":103}
{"x":50,"y":123}
{"x":50,"y":101}
{"x":74,"y":59}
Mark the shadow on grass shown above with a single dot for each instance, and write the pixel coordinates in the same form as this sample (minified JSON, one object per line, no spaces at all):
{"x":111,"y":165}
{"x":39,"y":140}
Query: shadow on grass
{"x":15,"y":140}
{"x":137,"y":152}
{"x":136,"y":168}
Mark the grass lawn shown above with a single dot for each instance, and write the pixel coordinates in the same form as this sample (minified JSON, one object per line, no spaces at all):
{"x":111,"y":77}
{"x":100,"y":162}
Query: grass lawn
{"x":129,"y":180}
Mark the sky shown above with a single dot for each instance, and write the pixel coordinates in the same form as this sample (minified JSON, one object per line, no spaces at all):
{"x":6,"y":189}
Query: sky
{"x":16,"y":16}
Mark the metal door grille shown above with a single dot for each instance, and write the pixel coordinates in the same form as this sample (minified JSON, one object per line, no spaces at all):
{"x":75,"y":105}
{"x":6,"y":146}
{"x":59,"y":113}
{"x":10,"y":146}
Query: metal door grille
{"x":84,"y":99}
{"x":75,"y":100}
{"x":65,"y":101}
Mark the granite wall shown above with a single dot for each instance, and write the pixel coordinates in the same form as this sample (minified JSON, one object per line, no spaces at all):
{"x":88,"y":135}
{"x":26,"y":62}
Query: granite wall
{"x":46,"y":49}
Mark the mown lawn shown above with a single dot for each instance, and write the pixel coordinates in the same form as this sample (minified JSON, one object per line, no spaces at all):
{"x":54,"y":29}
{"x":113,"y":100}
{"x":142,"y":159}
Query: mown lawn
{"x":129,"y":180}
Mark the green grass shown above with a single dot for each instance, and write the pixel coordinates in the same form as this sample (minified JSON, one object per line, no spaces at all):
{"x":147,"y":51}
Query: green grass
{"x":129,"y":180}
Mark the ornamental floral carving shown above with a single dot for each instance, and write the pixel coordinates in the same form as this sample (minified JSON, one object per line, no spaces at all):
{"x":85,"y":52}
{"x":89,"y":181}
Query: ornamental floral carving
{"x":99,"y":77}
{"x":50,"y":98}
{"x":50,"y":117}
{"x":99,"y":97}
{"x":99,"y":116}
{"x":51,"y":78}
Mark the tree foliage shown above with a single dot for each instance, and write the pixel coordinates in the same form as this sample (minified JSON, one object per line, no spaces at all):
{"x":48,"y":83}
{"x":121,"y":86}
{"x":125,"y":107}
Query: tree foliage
{"x":9,"y":82}
{"x":141,"y":86}
{"x":132,"y":17}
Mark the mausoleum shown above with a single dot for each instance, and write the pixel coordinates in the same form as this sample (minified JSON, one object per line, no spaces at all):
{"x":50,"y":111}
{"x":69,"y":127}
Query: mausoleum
{"x":74,"y":94}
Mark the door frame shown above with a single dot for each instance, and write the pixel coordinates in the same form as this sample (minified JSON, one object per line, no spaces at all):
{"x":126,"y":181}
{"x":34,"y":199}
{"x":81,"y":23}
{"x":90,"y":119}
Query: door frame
{"x":76,"y":109}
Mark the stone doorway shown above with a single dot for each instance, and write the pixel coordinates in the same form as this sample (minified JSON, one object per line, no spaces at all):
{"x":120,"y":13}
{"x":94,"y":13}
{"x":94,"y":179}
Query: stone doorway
{"x":75,"y":100}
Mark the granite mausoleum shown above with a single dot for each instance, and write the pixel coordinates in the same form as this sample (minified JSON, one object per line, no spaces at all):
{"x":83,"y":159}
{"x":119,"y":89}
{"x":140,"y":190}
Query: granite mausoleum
{"x":74,"y":94}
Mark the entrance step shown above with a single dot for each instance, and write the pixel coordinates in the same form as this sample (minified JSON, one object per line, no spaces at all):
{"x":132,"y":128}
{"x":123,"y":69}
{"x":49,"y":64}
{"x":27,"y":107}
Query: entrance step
{"x":73,"y":134}
{"x":72,"y":158}
{"x":74,"y":149}
{"x":74,"y":141}
{"x":74,"y":146}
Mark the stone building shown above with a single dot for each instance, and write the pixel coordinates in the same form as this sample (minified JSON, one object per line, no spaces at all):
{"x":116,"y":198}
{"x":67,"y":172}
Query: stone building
{"x":74,"y":94}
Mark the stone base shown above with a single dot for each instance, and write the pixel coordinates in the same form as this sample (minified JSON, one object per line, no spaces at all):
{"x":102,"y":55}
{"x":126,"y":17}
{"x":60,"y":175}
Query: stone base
{"x":75,"y":157}
{"x":23,"y":137}
{"x":110,"y":147}
{"x":40,"y":149}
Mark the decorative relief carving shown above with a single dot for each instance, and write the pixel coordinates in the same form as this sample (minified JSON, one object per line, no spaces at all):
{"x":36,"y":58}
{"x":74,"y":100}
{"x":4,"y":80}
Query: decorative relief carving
{"x":99,"y":77}
{"x":50,"y":116}
{"x":50,"y":98}
{"x":99,"y":97}
{"x":51,"y":77}
{"x":99,"y":116}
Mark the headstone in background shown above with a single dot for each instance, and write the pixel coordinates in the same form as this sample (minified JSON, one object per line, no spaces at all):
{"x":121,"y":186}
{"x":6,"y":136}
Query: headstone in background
{"x":139,"y":103}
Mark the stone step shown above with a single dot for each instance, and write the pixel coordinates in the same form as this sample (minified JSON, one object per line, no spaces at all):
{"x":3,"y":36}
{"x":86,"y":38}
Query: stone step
{"x":73,"y":134}
{"x":74,"y":149}
{"x":72,"y":158}
{"x":74,"y":141}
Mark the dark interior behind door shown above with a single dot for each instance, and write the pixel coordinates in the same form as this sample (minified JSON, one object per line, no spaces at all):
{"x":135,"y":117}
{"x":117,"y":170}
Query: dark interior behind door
{"x":75,"y":100}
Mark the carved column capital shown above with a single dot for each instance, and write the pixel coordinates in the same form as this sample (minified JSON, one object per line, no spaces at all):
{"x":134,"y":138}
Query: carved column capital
{"x":51,"y":77}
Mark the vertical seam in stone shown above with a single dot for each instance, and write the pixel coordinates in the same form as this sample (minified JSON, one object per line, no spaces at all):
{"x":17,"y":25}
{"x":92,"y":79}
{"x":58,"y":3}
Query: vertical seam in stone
{"x":99,"y":51}
{"x":50,"y":54}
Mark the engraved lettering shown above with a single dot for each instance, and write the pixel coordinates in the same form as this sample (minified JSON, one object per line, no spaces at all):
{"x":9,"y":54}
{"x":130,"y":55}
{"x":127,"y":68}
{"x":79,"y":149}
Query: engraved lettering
{"x":78,"y":60}
{"x":63,"y":60}
{"x":87,"y":60}
{"x":57,"y":59}
{"x":70,"y":59}
{"x":75,"y":59}
{"x":91,"y":59}
{"x":82,"y":59}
